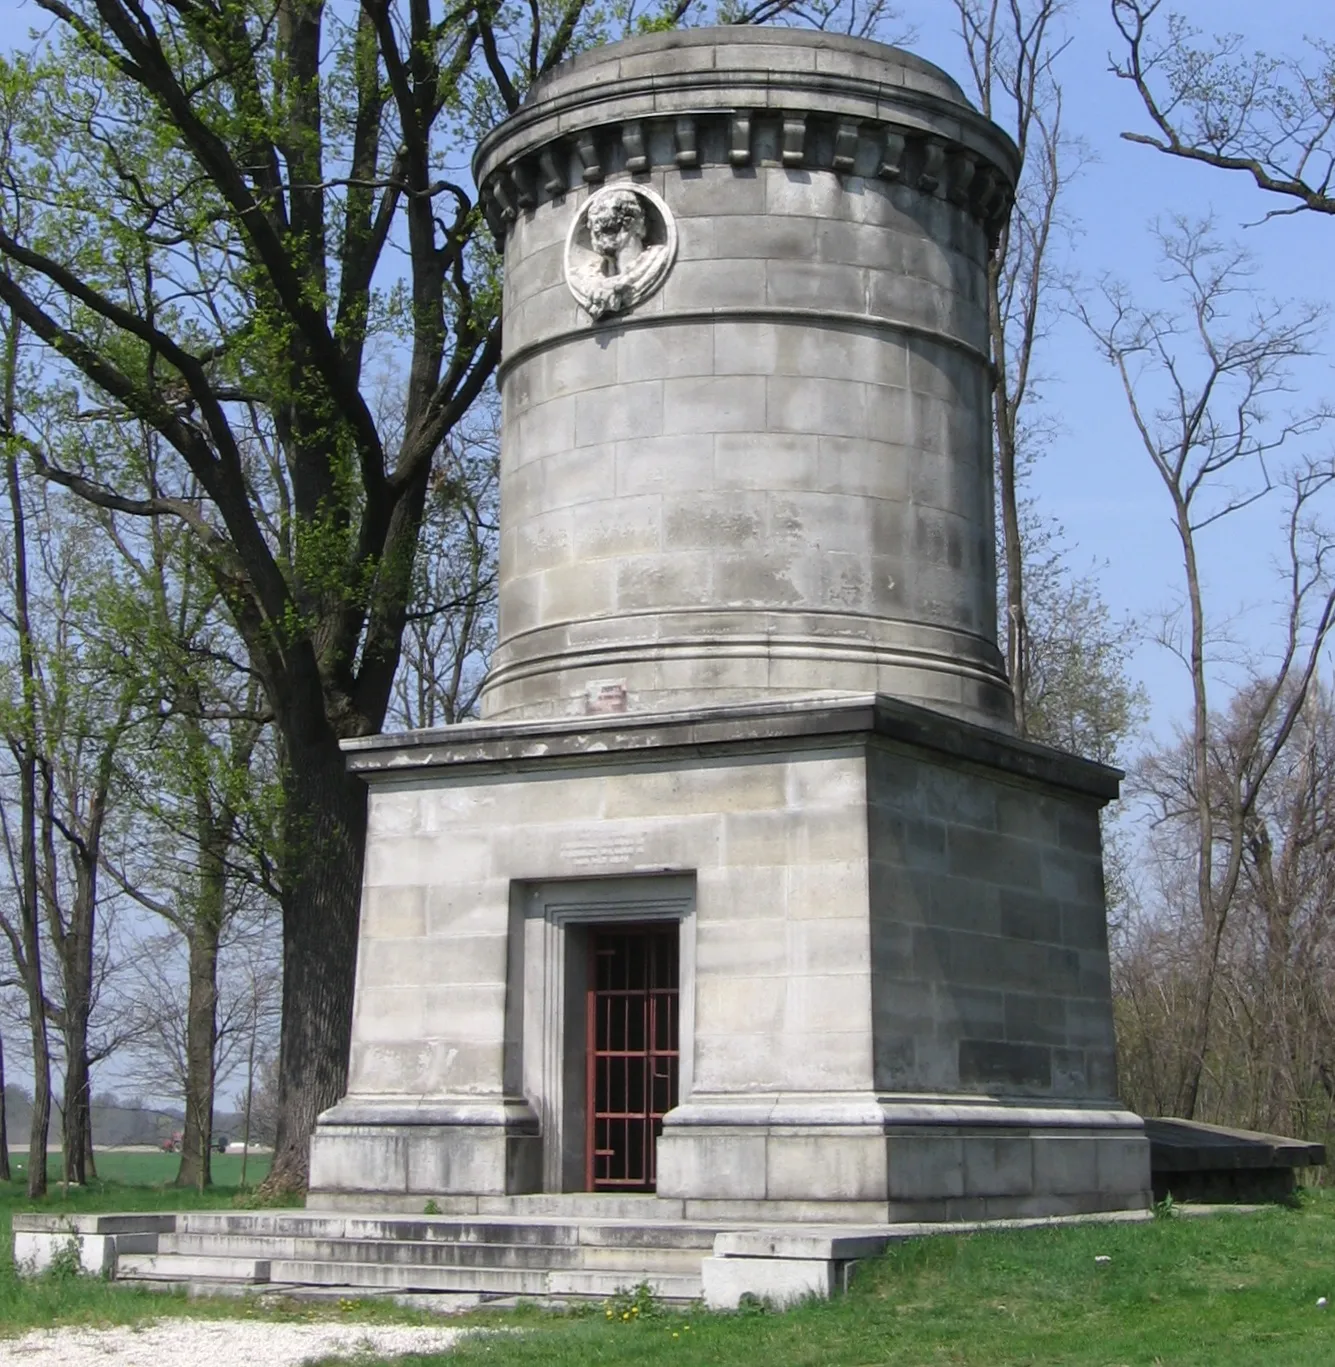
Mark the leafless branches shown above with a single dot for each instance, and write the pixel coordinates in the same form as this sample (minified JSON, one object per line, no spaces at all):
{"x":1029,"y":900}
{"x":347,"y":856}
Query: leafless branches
{"x":1013,"y":47}
{"x":1213,"y":102}
{"x":1200,"y":380}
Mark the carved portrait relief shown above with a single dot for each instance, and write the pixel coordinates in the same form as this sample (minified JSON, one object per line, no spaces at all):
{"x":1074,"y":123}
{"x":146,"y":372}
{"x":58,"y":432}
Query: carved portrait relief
{"x":619,"y":249}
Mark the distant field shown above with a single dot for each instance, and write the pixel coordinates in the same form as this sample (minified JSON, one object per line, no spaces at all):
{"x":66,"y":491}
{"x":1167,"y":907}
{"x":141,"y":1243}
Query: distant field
{"x":143,"y":1167}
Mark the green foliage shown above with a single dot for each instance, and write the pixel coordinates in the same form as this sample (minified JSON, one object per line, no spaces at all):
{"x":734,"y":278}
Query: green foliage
{"x":631,"y":1304}
{"x":67,"y":1261}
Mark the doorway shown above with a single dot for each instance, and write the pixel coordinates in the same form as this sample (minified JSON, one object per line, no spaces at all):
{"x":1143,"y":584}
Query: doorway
{"x":632,"y":1051}
{"x":552,"y":1041}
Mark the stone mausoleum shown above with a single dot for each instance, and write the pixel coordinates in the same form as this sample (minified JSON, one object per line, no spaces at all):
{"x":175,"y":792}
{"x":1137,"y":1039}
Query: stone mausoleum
{"x":743,"y":890}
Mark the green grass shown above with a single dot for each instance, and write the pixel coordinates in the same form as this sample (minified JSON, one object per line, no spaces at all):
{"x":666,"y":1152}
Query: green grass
{"x":152,"y":1168}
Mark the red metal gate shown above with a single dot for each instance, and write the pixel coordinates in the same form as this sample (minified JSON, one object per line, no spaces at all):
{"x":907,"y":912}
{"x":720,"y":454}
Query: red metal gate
{"x":632,"y":1052}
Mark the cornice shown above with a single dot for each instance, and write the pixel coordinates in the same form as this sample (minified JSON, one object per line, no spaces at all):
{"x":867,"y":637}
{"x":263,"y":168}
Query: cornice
{"x":537,"y":156}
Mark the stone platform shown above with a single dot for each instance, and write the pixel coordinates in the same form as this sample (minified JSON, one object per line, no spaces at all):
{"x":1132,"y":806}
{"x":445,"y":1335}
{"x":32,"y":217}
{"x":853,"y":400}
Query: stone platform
{"x":1192,"y":1161}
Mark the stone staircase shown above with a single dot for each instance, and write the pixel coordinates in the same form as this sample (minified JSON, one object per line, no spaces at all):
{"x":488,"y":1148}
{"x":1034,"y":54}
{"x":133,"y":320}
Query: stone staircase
{"x":481,"y":1256}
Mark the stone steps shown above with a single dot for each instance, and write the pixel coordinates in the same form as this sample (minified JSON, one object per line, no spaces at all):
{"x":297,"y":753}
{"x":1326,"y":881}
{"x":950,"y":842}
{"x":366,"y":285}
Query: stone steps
{"x":493,"y":1280}
{"x":184,"y":1267}
{"x":501,"y":1255}
{"x":453,"y":1262}
{"x":437,"y":1253}
{"x":547,"y":1232}
{"x":175,"y":1269}
{"x":644,"y":1208}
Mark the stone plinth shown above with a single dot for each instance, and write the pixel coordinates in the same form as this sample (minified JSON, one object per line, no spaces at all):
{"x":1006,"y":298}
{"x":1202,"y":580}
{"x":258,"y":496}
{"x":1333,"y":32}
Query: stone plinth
{"x":763,"y":468}
{"x":894,"y":972}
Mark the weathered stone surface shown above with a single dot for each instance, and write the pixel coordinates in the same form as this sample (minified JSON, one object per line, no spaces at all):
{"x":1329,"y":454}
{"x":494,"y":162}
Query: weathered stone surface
{"x":780,"y":1281}
{"x":661,"y":460}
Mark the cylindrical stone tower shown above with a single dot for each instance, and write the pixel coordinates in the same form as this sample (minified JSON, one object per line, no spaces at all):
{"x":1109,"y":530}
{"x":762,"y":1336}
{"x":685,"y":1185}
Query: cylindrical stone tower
{"x":746,"y":447}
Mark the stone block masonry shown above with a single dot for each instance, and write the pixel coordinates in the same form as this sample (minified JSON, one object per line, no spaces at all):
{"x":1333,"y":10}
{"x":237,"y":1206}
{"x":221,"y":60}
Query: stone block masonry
{"x":887,"y":1012}
{"x":765,"y":471}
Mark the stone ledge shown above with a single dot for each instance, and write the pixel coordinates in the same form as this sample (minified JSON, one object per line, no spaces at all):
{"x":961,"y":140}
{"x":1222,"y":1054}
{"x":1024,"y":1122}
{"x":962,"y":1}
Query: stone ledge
{"x":39,"y":1241}
{"x":903,"y":1114}
{"x":514,"y":1113}
{"x":928,"y":161}
{"x":828,"y":319}
{"x":853,"y":720}
{"x":838,"y":1244}
{"x":779,"y":1281}
{"x":1191,"y":1146}
{"x":145,"y":1223}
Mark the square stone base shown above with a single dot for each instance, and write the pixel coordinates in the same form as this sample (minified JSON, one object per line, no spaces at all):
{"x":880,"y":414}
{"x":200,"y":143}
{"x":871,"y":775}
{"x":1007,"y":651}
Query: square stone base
{"x":894,"y":988}
{"x":917,"y":1162}
{"x":405,"y":1150}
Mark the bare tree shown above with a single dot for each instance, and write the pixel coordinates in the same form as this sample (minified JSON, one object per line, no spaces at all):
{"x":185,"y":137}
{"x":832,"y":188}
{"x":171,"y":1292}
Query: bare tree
{"x":451,"y":624}
{"x":1013,"y":47}
{"x":5,"y":1175}
{"x":244,"y":1017}
{"x":1270,"y":1063}
{"x":63,"y":720}
{"x":192,"y":784}
{"x":1213,"y":102}
{"x":1199,"y":384}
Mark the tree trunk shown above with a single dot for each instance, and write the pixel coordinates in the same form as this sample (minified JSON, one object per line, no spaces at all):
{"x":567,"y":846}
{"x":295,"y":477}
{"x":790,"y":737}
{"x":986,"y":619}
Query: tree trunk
{"x":201,"y":1037}
{"x":89,"y":1162}
{"x":5,"y":1175}
{"x":41,"y":1104}
{"x":30,"y":928}
{"x":77,"y":955}
{"x":76,"y":1119}
{"x":324,"y":837}
{"x":1003,"y":428}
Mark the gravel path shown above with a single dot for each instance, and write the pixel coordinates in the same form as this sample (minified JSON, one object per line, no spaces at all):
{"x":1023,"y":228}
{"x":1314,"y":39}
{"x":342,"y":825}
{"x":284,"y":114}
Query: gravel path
{"x":217,"y":1343}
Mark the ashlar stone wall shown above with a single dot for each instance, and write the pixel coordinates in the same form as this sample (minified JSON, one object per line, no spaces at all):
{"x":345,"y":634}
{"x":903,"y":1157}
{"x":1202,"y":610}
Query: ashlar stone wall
{"x":778,"y":849}
{"x":988,"y":934}
{"x":771,"y":476}
{"x":894,"y":970}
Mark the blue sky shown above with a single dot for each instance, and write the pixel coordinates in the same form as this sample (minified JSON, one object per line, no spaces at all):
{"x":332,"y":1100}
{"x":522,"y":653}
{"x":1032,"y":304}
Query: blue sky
{"x":1096,"y":479}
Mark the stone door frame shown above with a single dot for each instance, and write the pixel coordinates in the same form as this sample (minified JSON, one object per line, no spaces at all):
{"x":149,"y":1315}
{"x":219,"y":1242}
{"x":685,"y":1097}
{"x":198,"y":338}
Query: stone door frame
{"x":550,"y":919}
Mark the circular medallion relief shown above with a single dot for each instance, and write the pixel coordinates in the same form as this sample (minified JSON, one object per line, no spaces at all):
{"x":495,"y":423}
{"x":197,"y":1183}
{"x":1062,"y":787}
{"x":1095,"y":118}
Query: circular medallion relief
{"x":619,"y":249}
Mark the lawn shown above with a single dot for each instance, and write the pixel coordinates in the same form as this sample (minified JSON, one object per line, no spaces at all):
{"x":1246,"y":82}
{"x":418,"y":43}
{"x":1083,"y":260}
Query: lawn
{"x":153,"y":1168}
